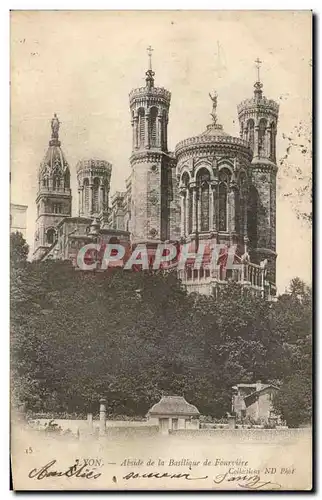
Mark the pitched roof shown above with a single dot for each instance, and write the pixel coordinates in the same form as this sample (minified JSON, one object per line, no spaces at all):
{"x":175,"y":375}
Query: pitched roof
{"x":173,"y":405}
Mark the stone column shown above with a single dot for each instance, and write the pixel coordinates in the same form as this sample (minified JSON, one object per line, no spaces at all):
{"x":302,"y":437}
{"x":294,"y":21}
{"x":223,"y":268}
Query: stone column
{"x":136,"y":130}
{"x":268,"y":142}
{"x":159,"y":130}
{"x":79,"y":201}
{"x":101,"y":198}
{"x":187,"y":212}
{"x":194,"y":208}
{"x":232,"y":214}
{"x":90,"y":202}
{"x":102,"y":416}
{"x":199,"y":209}
{"x":146,"y":131}
{"x":83,"y":200}
{"x":211,"y":208}
{"x":166,"y":132}
{"x":183,"y":210}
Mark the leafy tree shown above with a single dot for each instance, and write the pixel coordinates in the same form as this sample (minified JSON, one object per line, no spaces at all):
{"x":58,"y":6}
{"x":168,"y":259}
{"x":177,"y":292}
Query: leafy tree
{"x":18,"y":248}
{"x":133,"y":336}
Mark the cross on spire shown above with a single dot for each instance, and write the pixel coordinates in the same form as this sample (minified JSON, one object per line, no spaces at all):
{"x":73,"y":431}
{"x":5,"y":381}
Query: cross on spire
{"x":149,"y":51}
{"x":258,"y":63}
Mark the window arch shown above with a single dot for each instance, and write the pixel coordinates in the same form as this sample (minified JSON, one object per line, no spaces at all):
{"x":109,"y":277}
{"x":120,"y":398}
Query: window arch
{"x":141,"y":115}
{"x":185,"y":179}
{"x":67,"y":179}
{"x":250,"y":133}
{"x":96,"y":187}
{"x":203,"y":179}
{"x":153,"y":126}
{"x":164,"y":129}
{"x":262,"y":136}
{"x":50,"y":236}
{"x":56,"y":180}
{"x":86,"y":196}
{"x":45,"y":181}
{"x":223,"y":198}
{"x":224,"y":180}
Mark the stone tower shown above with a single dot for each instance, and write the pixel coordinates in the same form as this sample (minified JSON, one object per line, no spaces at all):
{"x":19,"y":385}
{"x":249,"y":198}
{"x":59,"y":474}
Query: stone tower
{"x":258,"y":118}
{"x":150,"y":162}
{"x":93,"y":177}
{"x":54,"y":199}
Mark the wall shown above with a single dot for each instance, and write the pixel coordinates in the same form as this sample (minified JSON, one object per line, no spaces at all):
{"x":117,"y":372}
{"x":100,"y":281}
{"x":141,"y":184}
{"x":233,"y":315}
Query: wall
{"x":262,"y":435}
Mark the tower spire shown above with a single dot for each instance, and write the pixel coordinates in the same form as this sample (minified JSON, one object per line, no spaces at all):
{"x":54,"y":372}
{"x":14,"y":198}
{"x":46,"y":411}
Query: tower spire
{"x":150,"y":73}
{"x":149,"y":51}
{"x":258,"y":63}
{"x":258,"y":84}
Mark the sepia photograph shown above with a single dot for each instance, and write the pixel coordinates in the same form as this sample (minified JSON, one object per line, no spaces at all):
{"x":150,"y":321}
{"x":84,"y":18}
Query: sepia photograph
{"x":161,"y":250}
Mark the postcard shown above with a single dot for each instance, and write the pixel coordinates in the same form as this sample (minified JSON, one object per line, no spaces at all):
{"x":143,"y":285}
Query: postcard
{"x":161,"y":232}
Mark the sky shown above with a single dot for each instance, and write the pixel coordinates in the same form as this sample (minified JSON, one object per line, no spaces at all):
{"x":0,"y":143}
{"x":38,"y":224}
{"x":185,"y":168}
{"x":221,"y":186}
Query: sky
{"x":83,"y":64}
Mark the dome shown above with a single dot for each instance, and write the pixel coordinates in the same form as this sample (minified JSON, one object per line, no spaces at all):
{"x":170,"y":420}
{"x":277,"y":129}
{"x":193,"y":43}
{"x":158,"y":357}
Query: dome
{"x":54,"y":160}
{"x":214,"y":139}
{"x":214,"y":129}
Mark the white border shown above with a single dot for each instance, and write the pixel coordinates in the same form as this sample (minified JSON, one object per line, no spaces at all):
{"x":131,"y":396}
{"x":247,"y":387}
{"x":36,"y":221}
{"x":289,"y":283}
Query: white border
{"x":5,"y":6}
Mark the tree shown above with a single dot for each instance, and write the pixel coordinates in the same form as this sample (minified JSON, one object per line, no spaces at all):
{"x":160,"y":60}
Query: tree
{"x":133,"y":336}
{"x":19,"y":248}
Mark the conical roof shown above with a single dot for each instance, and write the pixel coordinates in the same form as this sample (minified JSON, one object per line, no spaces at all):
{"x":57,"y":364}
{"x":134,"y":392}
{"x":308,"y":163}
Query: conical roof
{"x":54,"y":159}
{"x":173,"y":405}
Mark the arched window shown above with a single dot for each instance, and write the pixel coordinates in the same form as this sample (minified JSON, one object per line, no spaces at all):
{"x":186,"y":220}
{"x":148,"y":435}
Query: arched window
{"x":203,"y":178}
{"x":250,"y":133}
{"x":224,"y":178}
{"x":86,"y":196}
{"x":164,"y":130}
{"x":141,"y":115}
{"x":50,"y":236}
{"x":252,"y":214}
{"x":67,"y":179}
{"x":153,"y":126}
{"x":96,"y":187}
{"x":185,"y":179}
{"x":56,"y":181}
{"x":45,"y":182}
{"x":262,"y":136}
{"x":223,"y":196}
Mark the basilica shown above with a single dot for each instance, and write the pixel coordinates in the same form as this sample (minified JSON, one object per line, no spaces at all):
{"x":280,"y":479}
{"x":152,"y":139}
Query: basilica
{"x":212,"y":187}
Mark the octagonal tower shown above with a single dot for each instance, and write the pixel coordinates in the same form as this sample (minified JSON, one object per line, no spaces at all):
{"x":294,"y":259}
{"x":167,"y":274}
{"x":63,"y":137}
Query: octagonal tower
{"x":258,"y":118}
{"x":150,"y":161}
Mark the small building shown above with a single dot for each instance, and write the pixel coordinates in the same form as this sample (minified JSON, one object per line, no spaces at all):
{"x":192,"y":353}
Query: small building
{"x":254,"y":402}
{"x":172,"y":413}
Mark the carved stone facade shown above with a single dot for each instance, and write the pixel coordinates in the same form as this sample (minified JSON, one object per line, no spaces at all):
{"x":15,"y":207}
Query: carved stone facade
{"x":152,"y":166}
{"x":213,"y":188}
{"x":54,"y":197}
